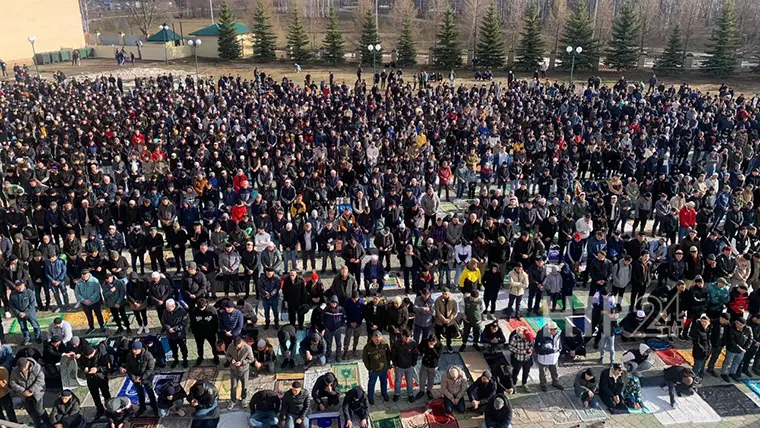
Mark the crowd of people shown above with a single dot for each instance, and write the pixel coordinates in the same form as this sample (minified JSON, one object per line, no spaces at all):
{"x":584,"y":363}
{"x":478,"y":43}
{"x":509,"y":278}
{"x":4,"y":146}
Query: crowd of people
{"x":233,"y":188}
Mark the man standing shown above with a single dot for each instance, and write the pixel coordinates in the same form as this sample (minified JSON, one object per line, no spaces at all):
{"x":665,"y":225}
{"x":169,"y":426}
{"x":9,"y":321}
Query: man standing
{"x":295,"y":406}
{"x":28,"y":381}
{"x":353,"y":254}
{"x":160,"y":291}
{"x":473,"y":314}
{"x":208,"y":263}
{"x":424,"y":311}
{"x":269,"y":290}
{"x":240,"y":357}
{"x":230,"y":325}
{"x":376,"y":357}
{"x":195,"y":285}
{"x":115,"y":296}
{"x":155,"y":243}
{"x":404,"y":356}
{"x":139,"y":368}
{"x":174,"y":326}
{"x":333,"y":319}
{"x":354,"y":310}
{"x":294,"y":294}
{"x":548,"y":347}
{"x":445,"y":318}
{"x":88,"y":295}
{"x":204,"y":323}
{"x":24,"y":307}
{"x":229,"y":263}
{"x":55,"y":275}
{"x":95,"y":365}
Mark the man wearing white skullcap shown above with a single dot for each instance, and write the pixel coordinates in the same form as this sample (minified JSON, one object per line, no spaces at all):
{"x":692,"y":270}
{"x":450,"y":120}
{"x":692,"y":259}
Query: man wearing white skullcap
{"x":174,"y":326}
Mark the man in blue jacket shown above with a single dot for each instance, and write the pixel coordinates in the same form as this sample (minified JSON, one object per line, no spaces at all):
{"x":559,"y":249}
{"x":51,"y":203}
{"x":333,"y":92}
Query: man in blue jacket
{"x":88,"y":295}
{"x":55,"y":275}
{"x":24,"y":307}
{"x":354,"y":317}
{"x":230,"y":324}
{"x":333,"y":318}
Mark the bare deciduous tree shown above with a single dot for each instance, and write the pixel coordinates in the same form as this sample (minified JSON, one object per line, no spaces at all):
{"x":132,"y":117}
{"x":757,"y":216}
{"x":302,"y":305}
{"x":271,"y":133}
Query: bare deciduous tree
{"x":143,"y":14}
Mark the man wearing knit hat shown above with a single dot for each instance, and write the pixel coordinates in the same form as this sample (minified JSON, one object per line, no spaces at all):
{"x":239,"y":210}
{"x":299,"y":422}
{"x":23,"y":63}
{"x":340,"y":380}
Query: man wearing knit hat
{"x":139,"y":368}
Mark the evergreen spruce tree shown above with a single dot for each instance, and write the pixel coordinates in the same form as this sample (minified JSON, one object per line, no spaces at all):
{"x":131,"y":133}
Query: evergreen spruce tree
{"x":447,"y":52}
{"x":724,"y":43}
{"x":333,"y":45}
{"x":490,"y":49}
{"x":368,"y":37}
{"x":406,"y":47}
{"x":530,"y":52}
{"x":672,"y":57}
{"x":229,"y":46}
{"x":264,"y":42}
{"x":298,"y":40}
{"x":579,"y":31}
{"x":623,"y":52}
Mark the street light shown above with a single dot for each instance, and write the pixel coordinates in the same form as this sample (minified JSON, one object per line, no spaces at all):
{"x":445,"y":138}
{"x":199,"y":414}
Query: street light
{"x":32,"y":39}
{"x":573,"y":52}
{"x":97,"y":37}
{"x":374,"y":49}
{"x":121,"y":36}
{"x":165,"y":28}
{"x":195,"y":43}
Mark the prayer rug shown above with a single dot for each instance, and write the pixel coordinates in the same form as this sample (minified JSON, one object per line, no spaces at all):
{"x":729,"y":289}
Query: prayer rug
{"x":385,"y":419}
{"x":687,"y":356}
{"x":160,"y":380}
{"x":96,"y":340}
{"x":670,"y":357}
{"x":578,"y":304}
{"x":416,"y":418}
{"x":205,"y":423}
{"x":528,"y":409}
{"x":311,"y":376}
{"x":537,"y":323}
{"x":438,"y":418}
{"x":144,"y":423}
{"x":300,"y":335}
{"x":324,"y":420}
{"x":347,"y":375}
{"x":174,"y":422}
{"x":690,"y":410}
{"x":78,"y":319}
{"x":223,"y":384}
{"x":284,"y":381}
{"x":449,"y":359}
{"x":233,"y":420}
{"x":728,"y":400}
{"x":754,"y":385}
{"x":587,"y":414}
{"x":43,"y":320}
{"x":560,"y":408}
{"x":200,"y":373}
{"x":393,"y":283}
{"x":392,"y":379}
{"x":475,"y":363}
{"x":658,"y":344}
{"x":513,"y":324}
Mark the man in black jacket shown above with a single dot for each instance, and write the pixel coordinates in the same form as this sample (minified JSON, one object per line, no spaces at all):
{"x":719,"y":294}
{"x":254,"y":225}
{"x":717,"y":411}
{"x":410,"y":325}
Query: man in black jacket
{"x":404,"y":355}
{"x":680,"y":381}
{"x":754,"y":327}
{"x":482,"y":391}
{"x":498,"y":413}
{"x":356,"y":408}
{"x":738,"y":341}
{"x":204,"y":398}
{"x":204,"y":323}
{"x":265,"y":405}
{"x":139,"y":369}
{"x":717,"y":340}
{"x":612,"y":380}
{"x":160,"y":291}
{"x":96,"y":364}
{"x":174,"y":326}
{"x":325,"y":392}
{"x":208,"y":263}
{"x":295,"y":407}
{"x":640,"y":279}
{"x":195,"y":285}
{"x":536,"y":279}
{"x":374,"y":315}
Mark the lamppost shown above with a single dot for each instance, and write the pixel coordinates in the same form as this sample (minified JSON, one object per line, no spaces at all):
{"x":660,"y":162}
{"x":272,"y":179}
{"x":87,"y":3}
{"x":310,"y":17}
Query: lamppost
{"x":195,"y":43}
{"x":165,"y":28}
{"x":121,"y":37}
{"x":32,"y":39}
{"x":374,"y":49}
{"x":573,"y":52}
{"x":97,"y":37}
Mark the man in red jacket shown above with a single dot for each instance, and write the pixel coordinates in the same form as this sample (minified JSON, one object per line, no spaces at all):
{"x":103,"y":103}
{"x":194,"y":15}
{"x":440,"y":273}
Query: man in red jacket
{"x":687,"y":219}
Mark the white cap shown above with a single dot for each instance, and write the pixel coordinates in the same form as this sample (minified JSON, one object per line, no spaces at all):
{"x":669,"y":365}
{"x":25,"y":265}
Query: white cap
{"x":640,"y":314}
{"x":170,"y":302}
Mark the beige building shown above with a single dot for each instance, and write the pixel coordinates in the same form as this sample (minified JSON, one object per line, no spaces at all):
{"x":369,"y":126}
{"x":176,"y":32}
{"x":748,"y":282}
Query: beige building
{"x":55,"y":24}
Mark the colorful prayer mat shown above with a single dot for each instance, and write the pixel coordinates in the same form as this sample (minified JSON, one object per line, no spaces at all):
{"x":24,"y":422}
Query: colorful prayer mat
{"x":347,"y":375}
{"x":392,"y":379}
{"x":43,"y":320}
{"x":324,"y":420}
{"x":385,"y":419}
{"x":223,"y":385}
{"x":160,"y":380}
{"x":447,"y":360}
{"x":670,"y":357}
{"x":416,"y":418}
{"x":536,"y":323}
{"x":658,"y":344}
{"x":144,"y":423}
{"x":437,"y":417}
{"x":78,"y":318}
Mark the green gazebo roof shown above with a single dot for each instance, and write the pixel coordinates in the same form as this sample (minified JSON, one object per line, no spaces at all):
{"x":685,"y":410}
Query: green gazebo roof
{"x":213,"y":30}
{"x":164,"y":36}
